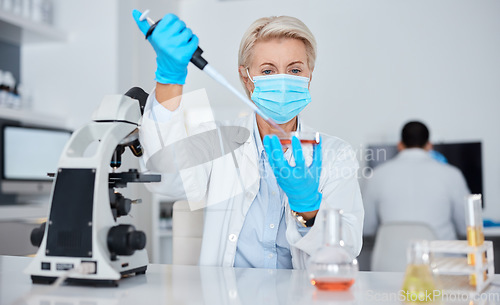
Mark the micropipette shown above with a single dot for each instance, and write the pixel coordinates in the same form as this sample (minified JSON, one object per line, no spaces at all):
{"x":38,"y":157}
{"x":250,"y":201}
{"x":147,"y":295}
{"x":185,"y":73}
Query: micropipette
{"x":203,"y":65}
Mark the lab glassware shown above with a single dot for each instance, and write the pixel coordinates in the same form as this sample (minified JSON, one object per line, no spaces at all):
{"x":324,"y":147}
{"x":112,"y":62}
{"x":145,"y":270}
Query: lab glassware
{"x":418,"y":281}
{"x":308,"y":141}
{"x":475,"y":234}
{"x":305,"y":138}
{"x":453,"y":273}
{"x":332,"y":267}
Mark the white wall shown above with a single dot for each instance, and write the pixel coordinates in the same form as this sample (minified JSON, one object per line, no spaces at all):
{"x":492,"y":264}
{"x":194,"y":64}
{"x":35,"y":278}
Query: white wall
{"x":380,"y":63}
{"x":137,"y":60}
{"x":69,"y":79}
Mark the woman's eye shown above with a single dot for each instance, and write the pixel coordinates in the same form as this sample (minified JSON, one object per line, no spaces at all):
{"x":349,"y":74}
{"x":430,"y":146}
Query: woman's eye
{"x":296,"y":71}
{"x":266,"y":72}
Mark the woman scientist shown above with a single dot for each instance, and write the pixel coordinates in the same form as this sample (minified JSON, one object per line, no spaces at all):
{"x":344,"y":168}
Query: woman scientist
{"x":259,"y":210}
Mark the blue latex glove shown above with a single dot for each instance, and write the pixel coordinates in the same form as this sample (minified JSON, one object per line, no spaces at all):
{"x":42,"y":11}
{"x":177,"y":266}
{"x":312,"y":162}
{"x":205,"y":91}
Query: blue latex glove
{"x":174,"y":45}
{"x":300,"y":183}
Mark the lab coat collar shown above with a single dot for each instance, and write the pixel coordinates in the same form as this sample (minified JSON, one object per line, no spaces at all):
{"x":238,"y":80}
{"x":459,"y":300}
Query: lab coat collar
{"x":414,"y":153}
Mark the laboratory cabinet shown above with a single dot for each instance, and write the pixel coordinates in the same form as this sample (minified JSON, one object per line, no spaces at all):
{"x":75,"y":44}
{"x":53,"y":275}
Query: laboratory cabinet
{"x":16,"y":29}
{"x":161,"y":231}
{"x":26,"y":211}
{"x":15,"y":237}
{"x":17,"y":221}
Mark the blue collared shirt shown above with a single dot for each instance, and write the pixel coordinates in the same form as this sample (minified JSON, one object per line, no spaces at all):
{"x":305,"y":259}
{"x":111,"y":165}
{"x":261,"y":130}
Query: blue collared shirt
{"x":262,"y":241}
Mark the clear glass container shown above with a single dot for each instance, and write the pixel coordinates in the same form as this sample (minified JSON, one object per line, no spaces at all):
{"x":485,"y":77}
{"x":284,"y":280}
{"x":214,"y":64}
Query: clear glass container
{"x":332,"y":267}
{"x":475,"y":234}
{"x":305,"y":137}
{"x":419,"y":281}
{"x":308,"y":141}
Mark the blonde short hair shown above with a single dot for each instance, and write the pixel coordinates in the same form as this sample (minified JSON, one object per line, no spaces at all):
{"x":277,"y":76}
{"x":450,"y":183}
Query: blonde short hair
{"x":275,"y":27}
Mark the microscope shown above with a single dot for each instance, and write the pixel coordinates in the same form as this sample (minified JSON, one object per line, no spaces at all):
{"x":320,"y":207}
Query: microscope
{"x":82,"y":226}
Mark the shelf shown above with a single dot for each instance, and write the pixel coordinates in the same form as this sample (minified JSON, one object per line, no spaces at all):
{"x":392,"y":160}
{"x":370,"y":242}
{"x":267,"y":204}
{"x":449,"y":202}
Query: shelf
{"x":23,"y":212}
{"x":31,"y":117}
{"x":19,"y":30}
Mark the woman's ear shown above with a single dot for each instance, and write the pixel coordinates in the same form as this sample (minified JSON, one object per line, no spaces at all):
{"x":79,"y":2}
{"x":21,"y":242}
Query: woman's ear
{"x":248,"y":83}
{"x":310,"y":79}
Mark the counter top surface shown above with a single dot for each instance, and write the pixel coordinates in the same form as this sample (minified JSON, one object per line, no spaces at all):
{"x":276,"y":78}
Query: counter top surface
{"x":177,"y":284}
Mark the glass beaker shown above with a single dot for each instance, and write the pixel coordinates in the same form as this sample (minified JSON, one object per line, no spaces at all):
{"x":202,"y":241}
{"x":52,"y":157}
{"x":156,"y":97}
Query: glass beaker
{"x":419,"y":281}
{"x":331,"y":267}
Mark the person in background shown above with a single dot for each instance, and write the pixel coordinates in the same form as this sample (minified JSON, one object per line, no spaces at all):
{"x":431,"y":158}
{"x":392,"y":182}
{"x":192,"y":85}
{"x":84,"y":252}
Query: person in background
{"x":415,"y":187}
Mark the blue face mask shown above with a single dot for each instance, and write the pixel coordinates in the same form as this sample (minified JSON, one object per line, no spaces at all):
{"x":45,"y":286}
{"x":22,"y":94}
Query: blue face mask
{"x":281,"y":96}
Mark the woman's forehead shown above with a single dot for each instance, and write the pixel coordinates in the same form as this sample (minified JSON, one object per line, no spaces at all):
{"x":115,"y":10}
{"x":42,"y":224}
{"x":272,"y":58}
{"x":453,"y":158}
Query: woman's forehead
{"x":279,"y":51}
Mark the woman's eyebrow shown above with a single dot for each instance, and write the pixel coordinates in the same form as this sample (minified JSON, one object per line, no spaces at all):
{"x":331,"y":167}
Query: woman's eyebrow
{"x":295,"y":62}
{"x":267,"y":64}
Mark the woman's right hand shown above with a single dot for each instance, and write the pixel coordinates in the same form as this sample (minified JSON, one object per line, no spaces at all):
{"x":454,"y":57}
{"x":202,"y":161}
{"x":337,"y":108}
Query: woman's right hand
{"x":174,"y":45}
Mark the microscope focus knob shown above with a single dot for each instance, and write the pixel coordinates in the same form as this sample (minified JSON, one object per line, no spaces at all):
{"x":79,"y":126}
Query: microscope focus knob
{"x":124,"y":240}
{"x":121,"y":204}
{"x":37,"y":235}
{"x":137,"y":240}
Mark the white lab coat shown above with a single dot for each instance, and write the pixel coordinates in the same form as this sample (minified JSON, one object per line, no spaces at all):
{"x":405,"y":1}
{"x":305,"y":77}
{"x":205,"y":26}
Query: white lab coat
{"x":228,"y":194}
{"x":413,"y":187}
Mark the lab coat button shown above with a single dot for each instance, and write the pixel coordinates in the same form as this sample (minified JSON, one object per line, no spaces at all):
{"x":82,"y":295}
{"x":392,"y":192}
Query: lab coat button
{"x":271,"y":226}
{"x":232,"y":237}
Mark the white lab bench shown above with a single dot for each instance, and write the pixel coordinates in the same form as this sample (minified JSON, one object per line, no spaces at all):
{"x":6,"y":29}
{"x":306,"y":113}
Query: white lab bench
{"x":177,"y":284}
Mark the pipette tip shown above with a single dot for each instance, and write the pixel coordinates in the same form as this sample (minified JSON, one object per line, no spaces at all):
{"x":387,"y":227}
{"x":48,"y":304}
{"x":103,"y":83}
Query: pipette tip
{"x":144,"y":15}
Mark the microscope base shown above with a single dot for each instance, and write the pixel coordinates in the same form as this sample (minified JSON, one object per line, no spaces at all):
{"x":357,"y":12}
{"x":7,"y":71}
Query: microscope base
{"x":47,"y":280}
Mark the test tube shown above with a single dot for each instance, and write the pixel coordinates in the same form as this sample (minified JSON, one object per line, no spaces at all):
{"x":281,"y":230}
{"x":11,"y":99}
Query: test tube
{"x":475,"y":234}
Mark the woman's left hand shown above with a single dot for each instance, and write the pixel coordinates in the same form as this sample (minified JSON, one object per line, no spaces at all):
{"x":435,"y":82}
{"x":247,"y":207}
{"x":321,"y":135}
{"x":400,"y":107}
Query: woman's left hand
{"x":300,"y":182}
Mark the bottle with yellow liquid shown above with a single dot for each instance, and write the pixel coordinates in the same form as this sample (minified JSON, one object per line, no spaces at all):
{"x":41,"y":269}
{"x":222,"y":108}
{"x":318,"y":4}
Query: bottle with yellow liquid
{"x":475,"y":234}
{"x":419,"y":282}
